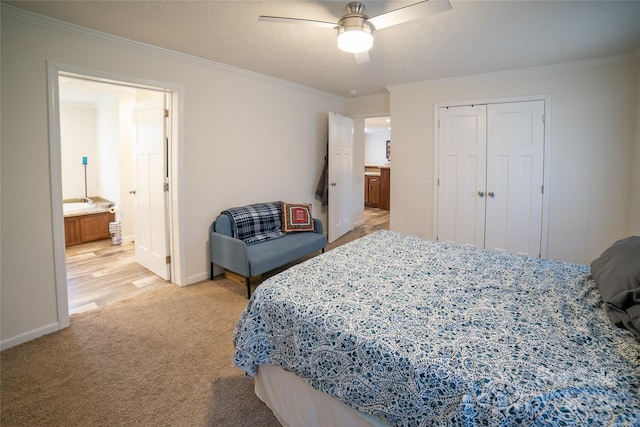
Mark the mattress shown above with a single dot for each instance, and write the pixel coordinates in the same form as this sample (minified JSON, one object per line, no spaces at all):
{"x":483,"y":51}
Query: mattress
{"x":416,"y":333}
{"x":295,"y":403}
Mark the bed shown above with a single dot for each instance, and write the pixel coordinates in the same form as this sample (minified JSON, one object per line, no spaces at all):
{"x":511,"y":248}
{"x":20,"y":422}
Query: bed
{"x":401,"y":331}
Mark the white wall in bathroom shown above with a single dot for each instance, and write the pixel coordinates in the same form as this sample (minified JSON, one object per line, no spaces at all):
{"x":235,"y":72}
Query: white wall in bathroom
{"x":107,"y":146}
{"x":125,"y":202}
{"x":78,"y":139}
{"x":375,"y":148}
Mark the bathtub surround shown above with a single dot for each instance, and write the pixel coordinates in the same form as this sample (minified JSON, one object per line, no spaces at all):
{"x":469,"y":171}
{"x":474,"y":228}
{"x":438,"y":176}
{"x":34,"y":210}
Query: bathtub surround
{"x":87,"y":219}
{"x":93,"y":204}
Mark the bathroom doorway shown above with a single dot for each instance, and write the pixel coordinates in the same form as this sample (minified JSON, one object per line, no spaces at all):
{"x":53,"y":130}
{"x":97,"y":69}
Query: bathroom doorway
{"x":99,"y":163}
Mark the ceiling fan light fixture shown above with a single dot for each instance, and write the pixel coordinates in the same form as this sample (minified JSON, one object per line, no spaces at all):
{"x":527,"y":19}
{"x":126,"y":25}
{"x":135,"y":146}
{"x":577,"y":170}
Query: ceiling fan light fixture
{"x":355,"y":38}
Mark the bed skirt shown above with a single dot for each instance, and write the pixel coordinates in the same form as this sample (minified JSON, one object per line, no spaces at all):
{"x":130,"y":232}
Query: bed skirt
{"x":296,"y":403}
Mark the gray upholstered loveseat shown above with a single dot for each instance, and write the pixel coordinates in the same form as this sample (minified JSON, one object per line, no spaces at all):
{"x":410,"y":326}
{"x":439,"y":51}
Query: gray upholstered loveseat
{"x":234,"y":246}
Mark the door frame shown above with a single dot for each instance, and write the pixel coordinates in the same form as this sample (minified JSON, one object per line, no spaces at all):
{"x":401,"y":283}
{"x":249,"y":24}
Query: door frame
{"x":176,"y":226}
{"x":544,"y":241}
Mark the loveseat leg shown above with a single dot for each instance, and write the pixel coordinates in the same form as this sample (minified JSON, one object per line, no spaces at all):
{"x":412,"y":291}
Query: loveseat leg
{"x":211,"y":271}
{"x":248,"y":280}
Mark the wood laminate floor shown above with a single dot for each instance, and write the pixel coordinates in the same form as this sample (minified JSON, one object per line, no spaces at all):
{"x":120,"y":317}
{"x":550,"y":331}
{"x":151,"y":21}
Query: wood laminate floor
{"x":99,"y":273}
{"x":374,"y":220}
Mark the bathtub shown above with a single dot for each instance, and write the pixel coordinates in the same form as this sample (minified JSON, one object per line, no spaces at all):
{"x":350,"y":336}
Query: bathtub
{"x":72,"y":207}
{"x":86,"y":222}
{"x":77,"y":207}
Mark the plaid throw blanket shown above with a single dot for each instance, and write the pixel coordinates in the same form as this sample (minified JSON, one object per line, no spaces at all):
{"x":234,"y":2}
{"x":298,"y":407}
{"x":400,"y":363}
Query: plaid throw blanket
{"x":256,"y":223}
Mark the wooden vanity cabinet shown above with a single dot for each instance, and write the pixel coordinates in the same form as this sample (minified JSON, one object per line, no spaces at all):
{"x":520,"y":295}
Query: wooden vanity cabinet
{"x":377,"y":187}
{"x":372,"y":191}
{"x":385,"y":188}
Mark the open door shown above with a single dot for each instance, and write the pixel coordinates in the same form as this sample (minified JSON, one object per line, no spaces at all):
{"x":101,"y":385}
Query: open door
{"x":340,"y":176}
{"x":152,"y":186}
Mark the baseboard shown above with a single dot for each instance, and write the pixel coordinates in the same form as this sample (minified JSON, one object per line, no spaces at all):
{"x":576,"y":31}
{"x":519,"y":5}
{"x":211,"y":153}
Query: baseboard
{"x":28,"y":336}
{"x":196,"y":278}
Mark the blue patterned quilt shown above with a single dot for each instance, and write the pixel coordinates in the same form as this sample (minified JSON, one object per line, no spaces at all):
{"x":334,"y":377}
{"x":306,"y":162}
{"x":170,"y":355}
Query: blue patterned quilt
{"x":422,"y":333}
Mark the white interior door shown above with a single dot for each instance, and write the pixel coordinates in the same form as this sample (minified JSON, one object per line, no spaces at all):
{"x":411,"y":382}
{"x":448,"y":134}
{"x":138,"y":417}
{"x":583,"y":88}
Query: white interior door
{"x":461,"y":177}
{"x":515,"y":146}
{"x":151,"y":244}
{"x":340,"y":213}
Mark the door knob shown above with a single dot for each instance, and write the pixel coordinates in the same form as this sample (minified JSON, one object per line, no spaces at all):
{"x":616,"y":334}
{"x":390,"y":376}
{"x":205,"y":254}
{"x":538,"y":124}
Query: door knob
{"x":481,"y":193}
{"x":491,"y":194}
{"x":132,"y":192}
{"x":333,"y":184}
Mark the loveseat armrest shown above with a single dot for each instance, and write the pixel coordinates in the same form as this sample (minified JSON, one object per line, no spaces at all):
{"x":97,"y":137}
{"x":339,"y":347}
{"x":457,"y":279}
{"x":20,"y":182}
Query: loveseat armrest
{"x":317,"y":226}
{"x":229,"y":253}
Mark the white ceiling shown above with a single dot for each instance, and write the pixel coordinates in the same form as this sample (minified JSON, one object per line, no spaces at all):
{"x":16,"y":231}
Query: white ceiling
{"x":474,"y":37}
{"x":377,"y":124}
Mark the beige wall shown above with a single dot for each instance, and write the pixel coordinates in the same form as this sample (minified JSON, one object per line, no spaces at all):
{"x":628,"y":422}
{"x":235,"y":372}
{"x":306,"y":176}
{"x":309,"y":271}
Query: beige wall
{"x":245,"y":138}
{"x":591,"y":169}
{"x":635,"y":190}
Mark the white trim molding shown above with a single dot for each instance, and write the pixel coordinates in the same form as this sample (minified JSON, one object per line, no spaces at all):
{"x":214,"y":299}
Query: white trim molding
{"x":524,"y":72}
{"x":31,"y":335}
{"x":63,"y":27}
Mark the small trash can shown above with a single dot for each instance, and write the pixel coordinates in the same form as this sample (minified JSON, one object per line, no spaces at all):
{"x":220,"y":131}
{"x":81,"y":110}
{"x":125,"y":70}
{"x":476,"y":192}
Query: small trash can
{"x":115,"y":229}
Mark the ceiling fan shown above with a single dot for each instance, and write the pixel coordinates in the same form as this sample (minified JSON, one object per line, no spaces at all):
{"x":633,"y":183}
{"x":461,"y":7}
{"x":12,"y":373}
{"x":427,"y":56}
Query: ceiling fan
{"x":355,"y":29}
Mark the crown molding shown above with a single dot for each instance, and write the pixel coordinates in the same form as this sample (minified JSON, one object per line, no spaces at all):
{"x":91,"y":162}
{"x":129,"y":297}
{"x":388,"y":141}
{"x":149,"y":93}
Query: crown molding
{"x":525,"y":72}
{"x":53,"y":24}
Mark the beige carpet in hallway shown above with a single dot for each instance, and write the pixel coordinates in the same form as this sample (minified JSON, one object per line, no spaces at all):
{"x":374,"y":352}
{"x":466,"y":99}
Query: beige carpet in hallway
{"x":161,"y":359}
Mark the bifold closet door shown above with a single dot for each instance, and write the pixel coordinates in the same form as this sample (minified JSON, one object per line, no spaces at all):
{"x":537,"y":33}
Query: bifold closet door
{"x":462,"y":175}
{"x":515,"y":158}
{"x":490,"y":176}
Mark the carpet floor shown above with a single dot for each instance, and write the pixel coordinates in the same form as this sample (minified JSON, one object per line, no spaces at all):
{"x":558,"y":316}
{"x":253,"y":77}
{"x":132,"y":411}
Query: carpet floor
{"x":160,"y":359}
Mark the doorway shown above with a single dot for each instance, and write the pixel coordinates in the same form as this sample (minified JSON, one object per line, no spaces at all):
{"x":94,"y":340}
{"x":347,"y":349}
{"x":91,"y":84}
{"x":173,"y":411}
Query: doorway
{"x":377,"y":169}
{"x":100,"y":133}
{"x":117,"y":88}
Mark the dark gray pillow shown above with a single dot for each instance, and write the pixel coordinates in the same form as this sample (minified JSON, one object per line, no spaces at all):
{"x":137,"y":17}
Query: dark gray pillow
{"x":617,"y":274}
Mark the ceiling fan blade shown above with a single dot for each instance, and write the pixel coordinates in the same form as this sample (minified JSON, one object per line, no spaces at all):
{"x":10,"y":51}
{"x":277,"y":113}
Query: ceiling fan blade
{"x":362,"y":57}
{"x":409,"y":13}
{"x":280,"y":19}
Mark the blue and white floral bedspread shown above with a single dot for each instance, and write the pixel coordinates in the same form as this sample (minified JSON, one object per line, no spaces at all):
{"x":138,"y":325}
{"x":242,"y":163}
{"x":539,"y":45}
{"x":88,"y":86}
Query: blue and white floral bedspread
{"x":423,"y":334}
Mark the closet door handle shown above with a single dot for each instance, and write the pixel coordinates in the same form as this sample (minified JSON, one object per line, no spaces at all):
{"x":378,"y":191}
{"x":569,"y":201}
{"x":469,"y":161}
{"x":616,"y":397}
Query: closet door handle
{"x":491,"y":194}
{"x":481,"y":193}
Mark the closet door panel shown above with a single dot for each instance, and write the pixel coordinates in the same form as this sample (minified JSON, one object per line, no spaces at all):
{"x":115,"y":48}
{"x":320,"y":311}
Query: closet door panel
{"x":462,"y":162}
{"x":515,"y":147}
